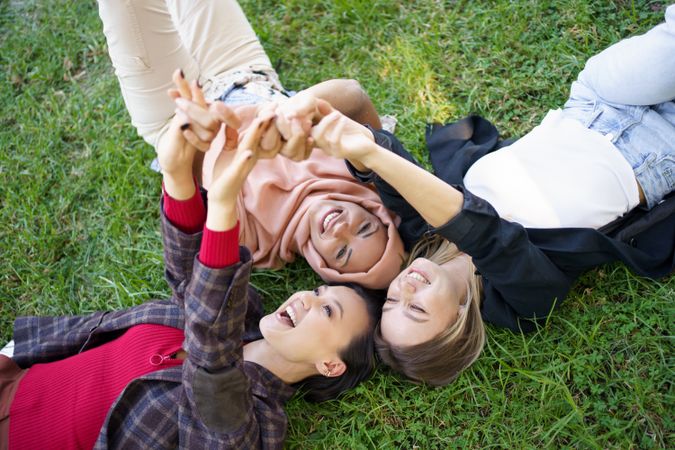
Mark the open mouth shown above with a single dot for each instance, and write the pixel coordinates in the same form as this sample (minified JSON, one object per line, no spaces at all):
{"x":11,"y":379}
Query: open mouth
{"x":288,"y":317}
{"x":328,"y":219}
{"x":418,"y":276}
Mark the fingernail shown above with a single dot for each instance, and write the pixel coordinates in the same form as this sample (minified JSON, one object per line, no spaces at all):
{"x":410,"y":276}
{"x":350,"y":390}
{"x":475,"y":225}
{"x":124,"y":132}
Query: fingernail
{"x":182,"y":74}
{"x":184,"y":126}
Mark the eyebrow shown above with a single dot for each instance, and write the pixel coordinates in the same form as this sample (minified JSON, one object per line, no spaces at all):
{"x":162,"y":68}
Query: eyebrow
{"x":349,"y":255}
{"x":408,"y":315}
{"x":375,"y":229}
{"x":342,"y":311}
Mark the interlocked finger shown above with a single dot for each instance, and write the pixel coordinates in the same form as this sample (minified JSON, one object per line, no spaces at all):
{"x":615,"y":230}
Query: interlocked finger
{"x":181,"y":84}
{"x":197,"y":94}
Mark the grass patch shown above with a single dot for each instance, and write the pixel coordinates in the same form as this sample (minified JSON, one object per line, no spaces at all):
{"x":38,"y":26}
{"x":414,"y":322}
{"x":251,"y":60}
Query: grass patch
{"x":78,"y":207}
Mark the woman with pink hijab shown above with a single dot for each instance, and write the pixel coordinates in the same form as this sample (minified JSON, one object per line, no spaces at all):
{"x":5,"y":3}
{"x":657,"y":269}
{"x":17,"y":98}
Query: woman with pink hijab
{"x":314,"y":207}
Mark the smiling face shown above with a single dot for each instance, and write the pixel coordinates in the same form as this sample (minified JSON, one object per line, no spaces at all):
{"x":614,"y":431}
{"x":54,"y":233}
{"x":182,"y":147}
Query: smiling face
{"x":315,"y":326}
{"x":348,"y":237}
{"x":424,"y":300}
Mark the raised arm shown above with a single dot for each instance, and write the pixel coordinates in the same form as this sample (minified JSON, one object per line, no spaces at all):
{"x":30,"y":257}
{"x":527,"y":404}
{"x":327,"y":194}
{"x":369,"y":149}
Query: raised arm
{"x":215,"y":383}
{"x":516,"y":271}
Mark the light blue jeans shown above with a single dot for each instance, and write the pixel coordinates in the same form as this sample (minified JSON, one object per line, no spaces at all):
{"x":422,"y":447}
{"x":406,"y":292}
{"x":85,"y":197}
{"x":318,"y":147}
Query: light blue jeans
{"x":626,"y":92}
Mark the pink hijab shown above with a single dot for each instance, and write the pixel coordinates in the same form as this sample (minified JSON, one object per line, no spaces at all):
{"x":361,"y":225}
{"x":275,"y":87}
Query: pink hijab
{"x":273,"y":221}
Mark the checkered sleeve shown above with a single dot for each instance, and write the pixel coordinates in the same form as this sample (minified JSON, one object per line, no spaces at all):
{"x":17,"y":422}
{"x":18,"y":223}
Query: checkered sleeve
{"x":180,"y":249}
{"x":215,"y":311}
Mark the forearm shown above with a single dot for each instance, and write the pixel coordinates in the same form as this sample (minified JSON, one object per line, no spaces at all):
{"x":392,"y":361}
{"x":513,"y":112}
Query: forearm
{"x":436,"y":201}
{"x":215,"y":308}
{"x":348,"y":97}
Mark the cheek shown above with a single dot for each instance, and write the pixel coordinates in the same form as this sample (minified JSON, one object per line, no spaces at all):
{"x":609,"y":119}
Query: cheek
{"x":375,"y":244}
{"x":391,"y":326}
{"x":266,"y":328}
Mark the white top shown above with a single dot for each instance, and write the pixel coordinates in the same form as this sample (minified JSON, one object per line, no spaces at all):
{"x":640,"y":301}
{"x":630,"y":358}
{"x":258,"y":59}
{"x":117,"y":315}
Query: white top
{"x":560,"y":174}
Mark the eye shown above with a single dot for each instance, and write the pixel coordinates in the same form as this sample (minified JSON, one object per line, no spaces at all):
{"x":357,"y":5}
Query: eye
{"x":365,"y":227}
{"x":316,"y":291}
{"x":392,"y":300}
{"x":341,"y":252}
{"x":328,"y":310}
{"x":417,"y":308}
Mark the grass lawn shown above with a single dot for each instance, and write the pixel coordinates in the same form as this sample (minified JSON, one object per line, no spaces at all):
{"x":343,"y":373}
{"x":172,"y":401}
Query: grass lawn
{"x":79,"y":218}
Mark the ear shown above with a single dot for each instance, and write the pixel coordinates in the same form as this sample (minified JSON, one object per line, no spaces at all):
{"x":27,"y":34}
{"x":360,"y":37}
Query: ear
{"x":333,"y":368}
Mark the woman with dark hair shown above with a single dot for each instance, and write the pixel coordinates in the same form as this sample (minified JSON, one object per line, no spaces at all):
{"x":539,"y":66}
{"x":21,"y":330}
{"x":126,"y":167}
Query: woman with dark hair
{"x":312,"y":208}
{"x":195,"y":371}
{"x":592,"y":184}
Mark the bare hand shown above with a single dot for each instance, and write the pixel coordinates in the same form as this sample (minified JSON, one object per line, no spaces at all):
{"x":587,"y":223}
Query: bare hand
{"x":341,"y":137}
{"x":201,"y":121}
{"x":293,"y":121}
{"x":227,"y":184}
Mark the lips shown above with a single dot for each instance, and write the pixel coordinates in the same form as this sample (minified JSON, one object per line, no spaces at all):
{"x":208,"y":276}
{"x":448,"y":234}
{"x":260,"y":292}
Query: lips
{"x":284,"y":318}
{"x":328,"y":219}
{"x":288,"y":317}
{"x":417,"y":275}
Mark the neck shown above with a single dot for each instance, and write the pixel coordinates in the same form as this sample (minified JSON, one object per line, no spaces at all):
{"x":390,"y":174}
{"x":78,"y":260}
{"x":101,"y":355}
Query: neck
{"x":261,"y":353}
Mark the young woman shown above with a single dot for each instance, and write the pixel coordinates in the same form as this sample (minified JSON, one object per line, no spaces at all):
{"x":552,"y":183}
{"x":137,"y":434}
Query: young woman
{"x":591,"y":184}
{"x":312,"y":208}
{"x":175,"y":374}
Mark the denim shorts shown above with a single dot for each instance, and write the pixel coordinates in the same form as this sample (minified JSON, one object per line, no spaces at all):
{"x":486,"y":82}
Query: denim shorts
{"x":247,"y":87}
{"x":645,"y":136}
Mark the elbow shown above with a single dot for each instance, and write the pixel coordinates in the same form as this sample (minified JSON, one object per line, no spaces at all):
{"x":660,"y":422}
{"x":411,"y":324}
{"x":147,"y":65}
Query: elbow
{"x":351,"y":86}
{"x":351,"y":89}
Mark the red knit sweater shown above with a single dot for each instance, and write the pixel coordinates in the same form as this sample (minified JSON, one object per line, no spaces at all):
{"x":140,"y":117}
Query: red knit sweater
{"x":62,"y":404}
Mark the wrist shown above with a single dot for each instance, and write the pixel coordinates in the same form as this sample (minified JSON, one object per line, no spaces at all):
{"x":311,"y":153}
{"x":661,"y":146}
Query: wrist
{"x":368,"y":159}
{"x":221,"y":216}
{"x":179,"y":186}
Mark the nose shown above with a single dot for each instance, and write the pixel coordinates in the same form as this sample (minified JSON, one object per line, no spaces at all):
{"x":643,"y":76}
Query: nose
{"x":407,"y":291}
{"x":308,"y":300}
{"x":340,"y":229}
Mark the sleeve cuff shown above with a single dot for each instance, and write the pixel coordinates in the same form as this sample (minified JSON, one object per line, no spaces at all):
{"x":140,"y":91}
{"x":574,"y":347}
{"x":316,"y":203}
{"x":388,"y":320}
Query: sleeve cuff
{"x":220,"y":249}
{"x":186,"y":215}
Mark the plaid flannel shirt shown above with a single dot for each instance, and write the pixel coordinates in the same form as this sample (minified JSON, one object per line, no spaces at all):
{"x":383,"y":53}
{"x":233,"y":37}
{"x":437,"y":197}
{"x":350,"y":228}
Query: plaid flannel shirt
{"x":215,"y":400}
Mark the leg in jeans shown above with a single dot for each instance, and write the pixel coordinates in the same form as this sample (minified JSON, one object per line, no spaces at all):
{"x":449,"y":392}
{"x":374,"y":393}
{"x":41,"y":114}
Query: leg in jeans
{"x":149,"y":39}
{"x":626,"y":93}
{"x":636,"y":71}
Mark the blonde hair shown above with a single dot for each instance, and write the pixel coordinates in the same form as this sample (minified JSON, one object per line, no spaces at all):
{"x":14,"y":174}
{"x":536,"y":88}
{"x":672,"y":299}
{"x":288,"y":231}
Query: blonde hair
{"x":440,"y":360}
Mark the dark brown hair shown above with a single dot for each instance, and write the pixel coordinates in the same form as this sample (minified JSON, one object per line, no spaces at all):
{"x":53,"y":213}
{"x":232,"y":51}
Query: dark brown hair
{"x":358,"y":356}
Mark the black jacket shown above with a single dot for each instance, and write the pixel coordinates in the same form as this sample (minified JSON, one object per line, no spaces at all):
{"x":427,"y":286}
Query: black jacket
{"x":526,"y":272}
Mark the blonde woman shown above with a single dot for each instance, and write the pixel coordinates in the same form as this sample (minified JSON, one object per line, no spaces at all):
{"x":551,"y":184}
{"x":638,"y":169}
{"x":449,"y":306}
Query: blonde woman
{"x":591,"y":184}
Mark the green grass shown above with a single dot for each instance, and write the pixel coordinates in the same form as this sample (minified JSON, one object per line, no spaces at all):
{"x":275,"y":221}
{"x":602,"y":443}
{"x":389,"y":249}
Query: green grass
{"x":79,"y":228}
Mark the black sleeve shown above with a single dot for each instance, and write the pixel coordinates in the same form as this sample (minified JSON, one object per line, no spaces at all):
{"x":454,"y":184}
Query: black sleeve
{"x":519,"y":280}
{"x":412,"y":226}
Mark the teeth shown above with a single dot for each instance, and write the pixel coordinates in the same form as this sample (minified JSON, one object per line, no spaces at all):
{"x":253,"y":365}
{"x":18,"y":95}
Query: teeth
{"x":328,"y":218}
{"x":418,"y":277}
{"x":291,"y":314}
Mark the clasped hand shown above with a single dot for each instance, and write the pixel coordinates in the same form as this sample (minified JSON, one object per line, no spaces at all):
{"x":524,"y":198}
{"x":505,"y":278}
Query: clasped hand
{"x":301,"y":123}
{"x":304,"y":122}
